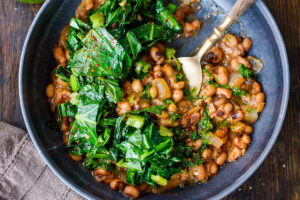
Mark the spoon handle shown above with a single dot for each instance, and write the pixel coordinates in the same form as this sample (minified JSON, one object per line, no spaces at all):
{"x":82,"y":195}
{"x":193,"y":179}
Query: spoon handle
{"x":218,"y":32}
{"x":239,"y":8}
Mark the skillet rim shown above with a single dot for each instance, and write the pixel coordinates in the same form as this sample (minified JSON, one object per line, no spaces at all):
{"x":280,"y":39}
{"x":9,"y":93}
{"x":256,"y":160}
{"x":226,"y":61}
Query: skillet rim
{"x":284,"y":103}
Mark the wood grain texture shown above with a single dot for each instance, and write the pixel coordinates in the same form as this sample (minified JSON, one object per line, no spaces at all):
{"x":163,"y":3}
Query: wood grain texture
{"x":277,"y":178}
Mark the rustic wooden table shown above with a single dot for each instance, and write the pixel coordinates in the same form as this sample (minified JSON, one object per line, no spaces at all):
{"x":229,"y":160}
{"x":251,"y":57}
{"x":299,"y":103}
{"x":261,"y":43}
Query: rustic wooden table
{"x":277,"y":178}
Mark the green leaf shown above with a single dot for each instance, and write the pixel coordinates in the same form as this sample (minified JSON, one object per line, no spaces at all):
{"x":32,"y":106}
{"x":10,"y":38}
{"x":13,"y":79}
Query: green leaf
{"x":171,"y":7}
{"x":79,"y":25}
{"x":238,"y":92}
{"x":112,"y":90}
{"x":61,"y":72}
{"x":150,"y":33}
{"x":61,"y":110}
{"x":133,"y":45}
{"x":102,"y":55}
{"x":136,"y":138}
{"x":73,"y":42}
{"x":166,"y":18}
{"x":247,"y":73}
{"x":103,"y":138}
{"x":85,"y":124}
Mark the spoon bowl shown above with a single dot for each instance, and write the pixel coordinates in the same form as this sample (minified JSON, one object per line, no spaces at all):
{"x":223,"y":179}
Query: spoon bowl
{"x":191,"y":66}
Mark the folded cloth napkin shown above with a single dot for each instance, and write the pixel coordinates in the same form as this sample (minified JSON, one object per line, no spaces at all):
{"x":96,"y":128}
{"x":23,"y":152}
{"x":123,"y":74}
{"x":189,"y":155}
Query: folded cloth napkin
{"x":23,"y":173}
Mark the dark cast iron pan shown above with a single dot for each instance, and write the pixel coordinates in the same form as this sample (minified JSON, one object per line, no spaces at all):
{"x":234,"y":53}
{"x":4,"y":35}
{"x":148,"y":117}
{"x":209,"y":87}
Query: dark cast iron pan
{"x":37,"y":63}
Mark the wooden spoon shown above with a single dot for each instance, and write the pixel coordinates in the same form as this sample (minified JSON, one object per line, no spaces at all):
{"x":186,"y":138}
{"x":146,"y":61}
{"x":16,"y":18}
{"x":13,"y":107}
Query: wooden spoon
{"x":191,"y":65}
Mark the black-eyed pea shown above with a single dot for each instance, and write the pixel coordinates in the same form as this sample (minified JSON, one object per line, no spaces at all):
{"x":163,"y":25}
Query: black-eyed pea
{"x":123,"y":107}
{"x":132,"y":191}
{"x":127,"y":88}
{"x":240,"y":49}
{"x":177,"y":95}
{"x":59,"y":55}
{"x":247,"y":43}
{"x":62,"y":96}
{"x":172,"y":108}
{"x":259,"y":98}
{"x":197,"y":144}
{"x":220,"y":160}
{"x":236,"y":116}
{"x":224,"y":92}
{"x":246,"y":139}
{"x":89,"y":4}
{"x":230,"y":40}
{"x":221,"y":75}
{"x":219,"y":101}
{"x":228,"y":108}
{"x":215,"y":55}
{"x":155,"y":54}
{"x":221,"y":132}
{"x":76,"y":158}
{"x":248,"y":129}
{"x":148,"y":80}
{"x":207,"y":153}
{"x":137,"y":86}
{"x":239,"y":142}
{"x":234,"y":154}
{"x":213,"y":167}
{"x":199,"y":172}
{"x":167,"y":70}
{"x":178,"y":85}
{"x":153,"y":92}
{"x":168,"y":123}
{"x":157,"y":101}
{"x":143,"y":187}
{"x":164,"y":115}
{"x":208,"y":100}
{"x":256,"y":88}
{"x":160,"y":46}
{"x":117,"y":184}
{"x":50,"y":91}
{"x":101,"y":171}
{"x":209,"y":90}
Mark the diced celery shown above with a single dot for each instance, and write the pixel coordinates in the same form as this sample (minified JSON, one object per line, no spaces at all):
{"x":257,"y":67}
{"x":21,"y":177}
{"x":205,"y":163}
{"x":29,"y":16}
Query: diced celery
{"x":97,"y":19}
{"x":74,"y":83}
{"x":142,"y":66}
{"x":135,"y":121}
{"x":170,"y":52}
{"x":165,"y":132}
{"x":159,"y":180}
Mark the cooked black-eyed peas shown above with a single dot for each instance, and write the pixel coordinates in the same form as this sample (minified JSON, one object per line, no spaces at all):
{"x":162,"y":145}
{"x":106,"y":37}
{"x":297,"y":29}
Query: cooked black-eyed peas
{"x":229,"y":99}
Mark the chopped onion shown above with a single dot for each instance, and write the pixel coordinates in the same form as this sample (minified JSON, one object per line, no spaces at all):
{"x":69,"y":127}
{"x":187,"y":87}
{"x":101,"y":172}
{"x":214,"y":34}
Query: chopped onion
{"x":163,"y":88}
{"x":236,"y":79}
{"x":256,"y":63}
{"x":237,"y":127}
{"x":214,"y":140}
{"x":251,"y":114}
